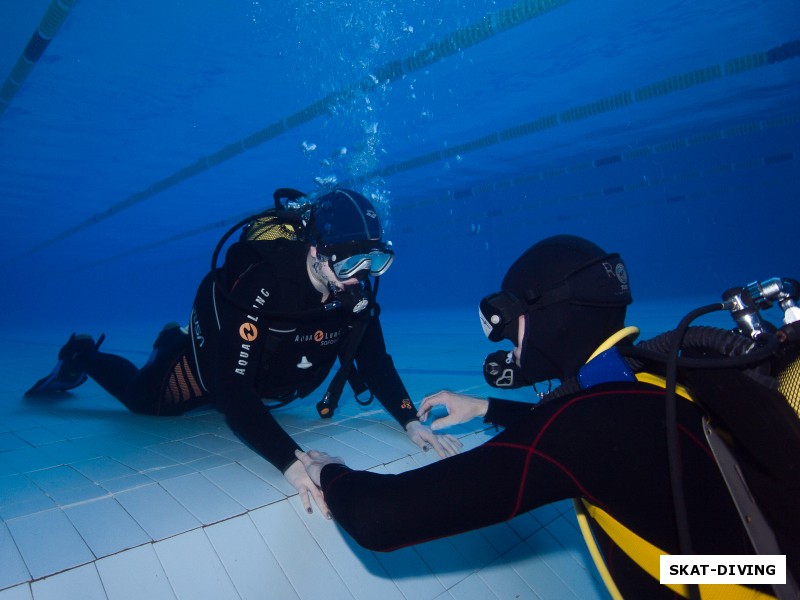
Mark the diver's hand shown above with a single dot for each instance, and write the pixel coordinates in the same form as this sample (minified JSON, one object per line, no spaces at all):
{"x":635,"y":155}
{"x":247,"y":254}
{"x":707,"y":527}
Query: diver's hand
{"x":297,"y":475}
{"x":460,"y":408}
{"x":422,"y":436}
{"x":313,"y":462}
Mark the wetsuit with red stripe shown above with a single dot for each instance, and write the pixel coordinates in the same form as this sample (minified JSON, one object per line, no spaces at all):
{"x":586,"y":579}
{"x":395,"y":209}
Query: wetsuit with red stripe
{"x":606,"y":444}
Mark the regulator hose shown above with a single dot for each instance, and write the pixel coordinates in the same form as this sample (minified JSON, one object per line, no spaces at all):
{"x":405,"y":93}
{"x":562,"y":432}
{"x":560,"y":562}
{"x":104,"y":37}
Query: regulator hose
{"x":735,"y":349}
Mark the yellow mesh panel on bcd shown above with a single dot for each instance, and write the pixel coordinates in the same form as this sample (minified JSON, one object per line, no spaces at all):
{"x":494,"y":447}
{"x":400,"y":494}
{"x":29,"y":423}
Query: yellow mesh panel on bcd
{"x":270,"y":228}
{"x":789,"y":384}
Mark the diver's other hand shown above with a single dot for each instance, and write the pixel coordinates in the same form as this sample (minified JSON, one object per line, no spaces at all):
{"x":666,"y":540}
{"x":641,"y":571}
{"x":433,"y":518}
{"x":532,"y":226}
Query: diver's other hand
{"x":298,"y":476}
{"x":313,"y":462}
{"x":422,"y":436}
{"x":460,"y":408}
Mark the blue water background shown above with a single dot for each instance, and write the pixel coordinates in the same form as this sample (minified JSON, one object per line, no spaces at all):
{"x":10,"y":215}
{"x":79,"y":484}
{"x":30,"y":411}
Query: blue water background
{"x":696,"y":185}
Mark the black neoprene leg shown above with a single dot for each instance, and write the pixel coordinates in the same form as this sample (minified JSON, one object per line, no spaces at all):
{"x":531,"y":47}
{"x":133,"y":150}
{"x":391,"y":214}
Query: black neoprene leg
{"x":164,"y":386}
{"x":113,"y":373}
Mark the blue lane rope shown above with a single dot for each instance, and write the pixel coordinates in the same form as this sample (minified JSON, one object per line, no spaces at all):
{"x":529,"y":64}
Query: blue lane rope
{"x":657,"y":89}
{"x":54,"y":17}
{"x":739,"y":130}
{"x":449,"y":44}
{"x":458,"y":40}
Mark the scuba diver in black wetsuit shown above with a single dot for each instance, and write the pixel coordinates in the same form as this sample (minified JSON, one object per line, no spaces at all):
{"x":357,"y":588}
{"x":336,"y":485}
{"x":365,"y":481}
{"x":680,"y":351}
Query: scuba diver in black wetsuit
{"x":293,"y":295}
{"x":606,"y":436}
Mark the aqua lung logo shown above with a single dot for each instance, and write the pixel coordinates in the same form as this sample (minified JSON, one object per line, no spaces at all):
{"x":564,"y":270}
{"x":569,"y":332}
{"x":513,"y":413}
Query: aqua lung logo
{"x":323,"y":338}
{"x":249,"y":332}
{"x":372,"y":214}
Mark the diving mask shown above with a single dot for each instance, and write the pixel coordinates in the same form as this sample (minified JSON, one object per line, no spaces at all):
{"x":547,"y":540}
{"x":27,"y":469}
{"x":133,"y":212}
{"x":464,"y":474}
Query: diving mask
{"x":359,"y":262}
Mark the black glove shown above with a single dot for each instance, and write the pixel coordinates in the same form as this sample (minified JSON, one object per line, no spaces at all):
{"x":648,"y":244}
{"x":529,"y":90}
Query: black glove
{"x":500,"y":371}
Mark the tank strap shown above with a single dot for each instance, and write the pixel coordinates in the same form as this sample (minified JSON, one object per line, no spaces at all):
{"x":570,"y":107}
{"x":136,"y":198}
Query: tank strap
{"x":754,"y":521}
{"x":646,"y":556}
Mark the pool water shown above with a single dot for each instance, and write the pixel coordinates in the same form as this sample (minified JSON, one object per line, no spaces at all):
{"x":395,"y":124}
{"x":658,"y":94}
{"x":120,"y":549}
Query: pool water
{"x":132,"y":135}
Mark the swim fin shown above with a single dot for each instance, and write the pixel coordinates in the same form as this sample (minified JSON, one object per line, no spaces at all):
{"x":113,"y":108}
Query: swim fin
{"x":65,"y":375}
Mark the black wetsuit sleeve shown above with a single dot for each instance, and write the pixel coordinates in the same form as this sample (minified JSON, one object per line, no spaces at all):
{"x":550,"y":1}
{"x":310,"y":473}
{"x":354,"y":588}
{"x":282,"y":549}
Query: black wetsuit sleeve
{"x":378,"y":370}
{"x":605,"y":444}
{"x":505,"y":412}
{"x":242,"y":339}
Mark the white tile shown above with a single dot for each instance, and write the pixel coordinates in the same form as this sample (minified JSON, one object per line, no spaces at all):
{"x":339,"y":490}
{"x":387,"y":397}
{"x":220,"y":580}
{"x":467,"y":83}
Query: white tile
{"x":69,"y":496}
{"x":31,"y":533}
{"x":571,"y":539}
{"x":128,"y":482}
{"x":423,"y":459}
{"x":472,"y":588}
{"x":158,"y":513}
{"x":561,"y":562}
{"x":401,"y":465}
{"x":170,"y":472}
{"x":331,"y":429}
{"x":389,"y":435}
{"x":213,"y":443}
{"x":411,"y":574}
{"x":473,"y":440}
{"x":106,"y":527}
{"x":29,"y":506}
{"x":261,"y":468}
{"x":239,"y":454}
{"x":13,"y":441}
{"x":370,"y":446}
{"x":38,"y":436}
{"x":58,"y":478}
{"x":309,"y":439}
{"x":6,"y":469}
{"x":564,"y":507}
{"x":20,"y":592}
{"x":502,"y":537}
{"x":135,"y":574}
{"x":12,"y":567}
{"x":202,"y":498}
{"x":506,"y":584}
{"x":525,"y":524}
{"x":475,"y":549}
{"x":248,"y":560}
{"x":137,"y":437}
{"x":209,"y":462}
{"x":205,"y":578}
{"x":444,"y":561}
{"x":179,"y":452}
{"x":532,"y":564}
{"x":298,"y":553}
{"x":243,"y":486}
{"x":102,"y":469}
{"x":545,"y":514}
{"x":355,"y":459}
{"x":140,"y":459}
{"x":361,"y":572}
{"x":18,"y":488}
{"x":81,"y":582}
{"x":68,"y":451}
